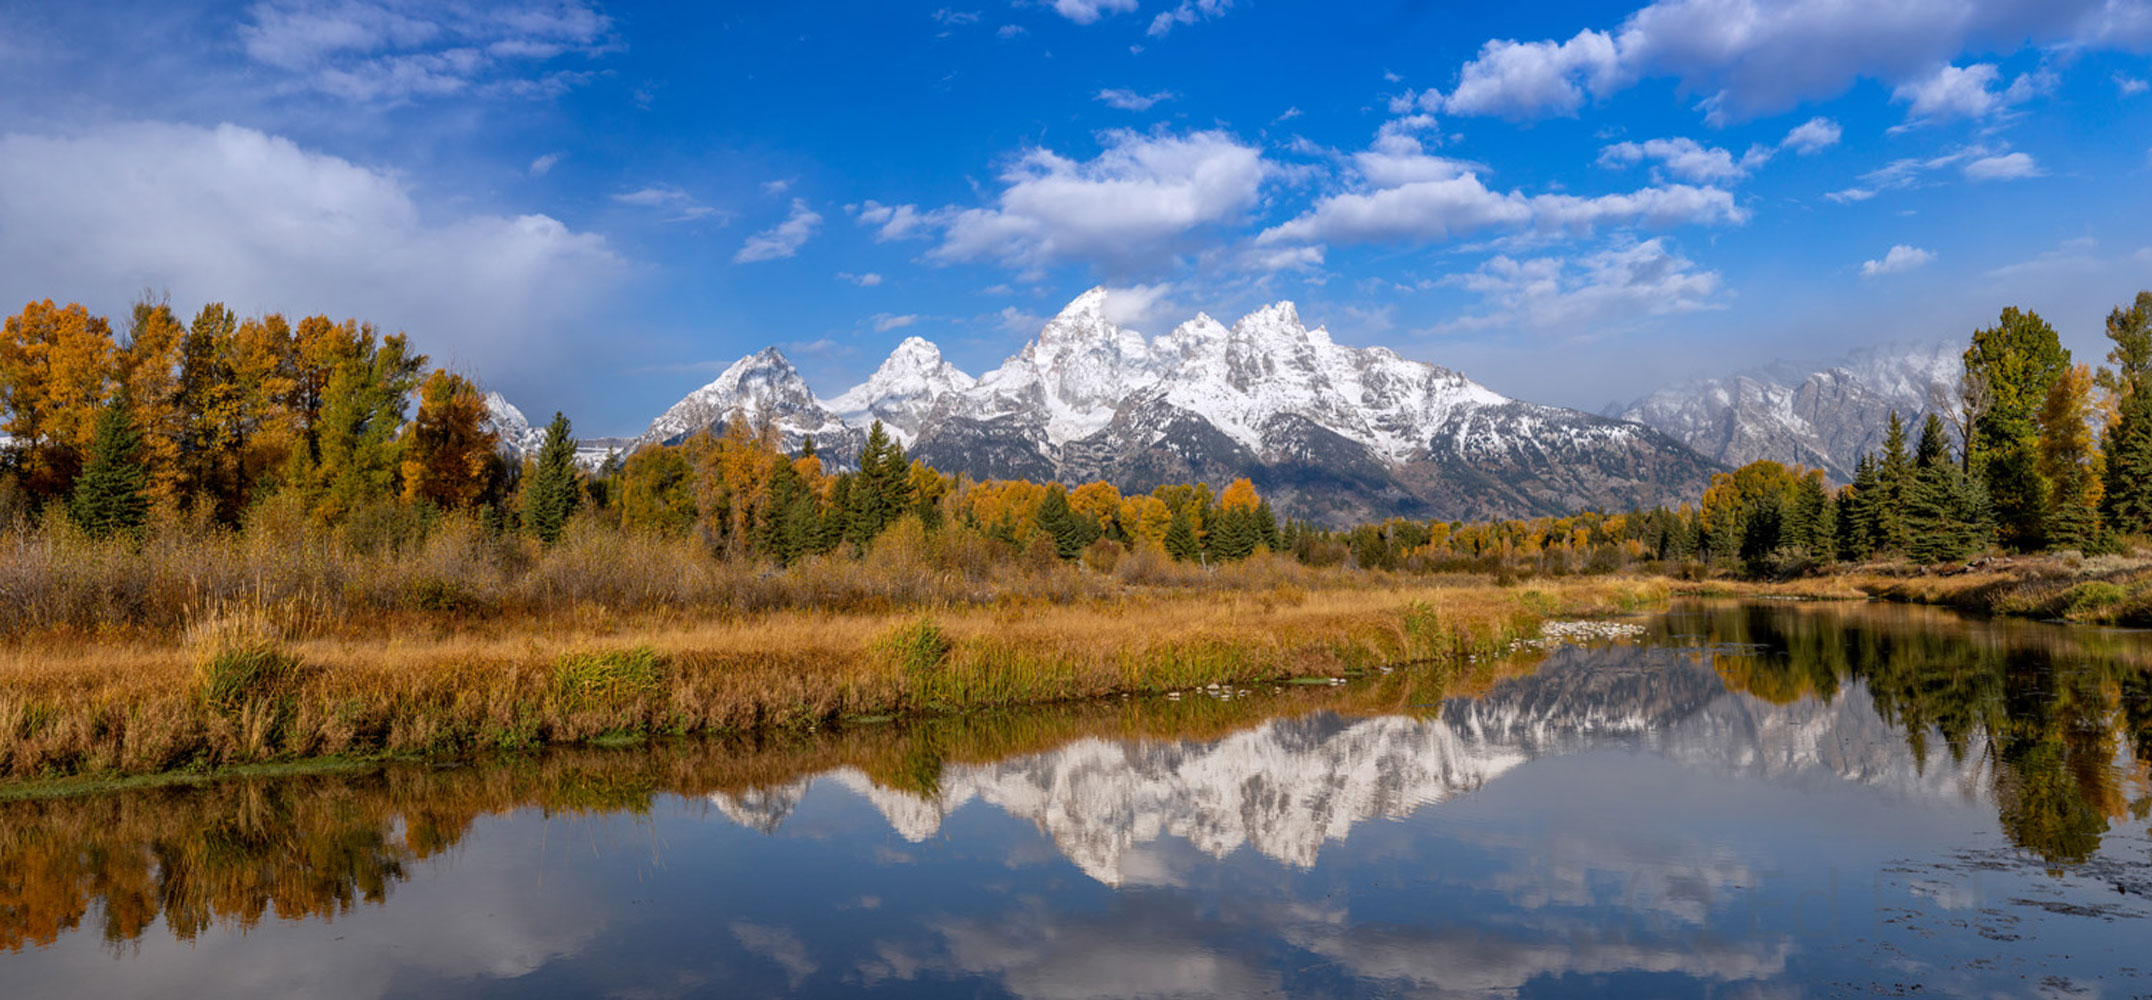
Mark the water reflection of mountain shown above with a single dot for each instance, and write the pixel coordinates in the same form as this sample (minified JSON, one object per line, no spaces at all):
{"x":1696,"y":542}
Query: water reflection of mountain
{"x":1287,"y":786}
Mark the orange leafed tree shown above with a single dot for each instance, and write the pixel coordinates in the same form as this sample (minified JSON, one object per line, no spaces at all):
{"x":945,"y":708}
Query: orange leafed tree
{"x":55,"y":366}
{"x":448,"y":451}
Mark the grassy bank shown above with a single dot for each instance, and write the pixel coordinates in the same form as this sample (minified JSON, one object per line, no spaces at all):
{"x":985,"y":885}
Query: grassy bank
{"x":243,"y":685}
{"x":2103,"y":590}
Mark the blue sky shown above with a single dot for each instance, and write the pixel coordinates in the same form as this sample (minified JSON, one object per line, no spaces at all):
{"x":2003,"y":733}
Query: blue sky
{"x":594,"y":207}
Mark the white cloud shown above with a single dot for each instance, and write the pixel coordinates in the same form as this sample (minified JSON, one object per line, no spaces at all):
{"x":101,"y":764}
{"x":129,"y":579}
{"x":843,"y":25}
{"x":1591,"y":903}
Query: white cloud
{"x":1622,"y":283}
{"x":867,"y":280}
{"x":1965,"y":92}
{"x":1904,"y":173}
{"x":1755,"y":57}
{"x":544,"y":164}
{"x":1900,"y":259}
{"x":2130,"y":86}
{"x":1128,"y":100}
{"x":1686,"y":158}
{"x":1129,"y":205}
{"x":1812,"y":136}
{"x":1512,"y":79}
{"x":1008,"y":31}
{"x":393,"y":51}
{"x":946,"y":16}
{"x":885,"y":322}
{"x":682,"y":205}
{"x":233,"y":214}
{"x":2007,"y":167}
{"x":783,"y":239}
{"x":1142,"y":307}
{"x":1189,"y":12}
{"x":896,"y":222}
{"x":1089,"y":11}
{"x":1416,"y":197}
{"x":779,"y":186}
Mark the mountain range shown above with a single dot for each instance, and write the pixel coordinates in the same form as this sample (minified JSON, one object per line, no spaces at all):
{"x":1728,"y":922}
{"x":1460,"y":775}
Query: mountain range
{"x":1820,"y":416}
{"x":1330,"y":433}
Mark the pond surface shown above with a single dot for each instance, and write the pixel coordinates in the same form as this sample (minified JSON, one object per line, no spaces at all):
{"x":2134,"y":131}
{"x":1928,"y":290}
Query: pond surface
{"x":1747,"y":800}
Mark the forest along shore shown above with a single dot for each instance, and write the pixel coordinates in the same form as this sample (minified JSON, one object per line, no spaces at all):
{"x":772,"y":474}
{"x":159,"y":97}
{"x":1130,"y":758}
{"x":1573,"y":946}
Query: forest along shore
{"x":2086,"y":590}
{"x":249,"y":683}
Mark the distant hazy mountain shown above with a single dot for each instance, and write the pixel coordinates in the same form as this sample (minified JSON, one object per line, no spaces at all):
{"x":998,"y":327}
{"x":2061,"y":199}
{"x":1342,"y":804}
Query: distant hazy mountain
{"x":1821,"y":416}
{"x":1330,"y":432}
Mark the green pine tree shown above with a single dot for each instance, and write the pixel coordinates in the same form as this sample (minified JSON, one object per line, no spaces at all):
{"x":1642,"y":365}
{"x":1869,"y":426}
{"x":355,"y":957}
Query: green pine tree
{"x":2128,"y":478}
{"x":110,"y":496}
{"x":555,"y":491}
{"x":1894,"y":480}
{"x":1180,"y":540}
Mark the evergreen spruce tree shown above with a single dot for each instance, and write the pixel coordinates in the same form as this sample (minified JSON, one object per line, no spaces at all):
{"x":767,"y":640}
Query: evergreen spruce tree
{"x":2128,"y":477}
{"x":835,"y":523}
{"x":1063,"y":526}
{"x":2016,"y":362}
{"x":1236,"y":534}
{"x":110,"y":496}
{"x":1180,"y":540}
{"x":1894,"y":478}
{"x":554,"y":491}
{"x":1810,"y":519}
{"x":1266,"y":526}
{"x":1857,"y":510}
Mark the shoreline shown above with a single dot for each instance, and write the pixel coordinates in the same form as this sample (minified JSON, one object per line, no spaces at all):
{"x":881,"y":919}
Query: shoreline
{"x":120,"y":712}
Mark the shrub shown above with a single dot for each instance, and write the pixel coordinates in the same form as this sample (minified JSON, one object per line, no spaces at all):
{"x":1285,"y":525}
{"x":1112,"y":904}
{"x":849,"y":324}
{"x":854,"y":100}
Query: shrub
{"x":607,"y":679}
{"x":2090,"y":597}
{"x":1103,"y":555}
{"x":238,"y":661}
{"x":918,"y":648}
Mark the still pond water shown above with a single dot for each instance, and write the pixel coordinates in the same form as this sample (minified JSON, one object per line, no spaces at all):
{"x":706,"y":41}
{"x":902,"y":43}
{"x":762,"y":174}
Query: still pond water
{"x":1746,"y":800}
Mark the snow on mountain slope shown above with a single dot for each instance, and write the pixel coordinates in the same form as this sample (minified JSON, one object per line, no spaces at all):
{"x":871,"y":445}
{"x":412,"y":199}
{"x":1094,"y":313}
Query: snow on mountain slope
{"x":1332,"y":432}
{"x":903,"y":391}
{"x":761,"y":385}
{"x":518,"y":437}
{"x":1821,"y":416}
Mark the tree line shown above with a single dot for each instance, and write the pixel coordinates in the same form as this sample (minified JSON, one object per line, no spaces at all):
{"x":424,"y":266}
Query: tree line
{"x":2030,"y":452}
{"x":213,"y":416}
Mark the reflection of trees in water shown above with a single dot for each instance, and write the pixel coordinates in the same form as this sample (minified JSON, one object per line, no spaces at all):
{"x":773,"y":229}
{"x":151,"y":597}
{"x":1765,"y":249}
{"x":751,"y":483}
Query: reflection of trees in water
{"x":230,"y":852}
{"x":2067,"y":713}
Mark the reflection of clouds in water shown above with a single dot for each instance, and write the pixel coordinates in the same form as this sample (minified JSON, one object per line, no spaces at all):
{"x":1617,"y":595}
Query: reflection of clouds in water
{"x":1476,"y":961}
{"x":1141,"y":949}
{"x":1680,"y":877}
{"x":778,"y":945}
{"x":496,"y":917}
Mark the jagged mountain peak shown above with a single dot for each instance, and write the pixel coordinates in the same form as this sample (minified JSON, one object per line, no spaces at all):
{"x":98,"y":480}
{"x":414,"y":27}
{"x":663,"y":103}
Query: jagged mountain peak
{"x":903,"y":391}
{"x":517,"y":436}
{"x":762,"y":385}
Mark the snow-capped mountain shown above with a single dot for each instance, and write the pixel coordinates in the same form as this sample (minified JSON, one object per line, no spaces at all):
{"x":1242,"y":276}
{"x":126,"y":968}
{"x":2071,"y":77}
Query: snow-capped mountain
{"x":763,"y":385}
{"x":1330,"y":432}
{"x":903,"y":391}
{"x":518,"y":437}
{"x":1820,"y":416}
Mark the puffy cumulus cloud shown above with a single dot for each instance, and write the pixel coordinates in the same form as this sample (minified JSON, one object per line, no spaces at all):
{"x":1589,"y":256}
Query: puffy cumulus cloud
{"x":251,"y":219}
{"x":544,"y":164}
{"x":1142,"y":307}
{"x":1414,"y":197}
{"x":1686,"y":158}
{"x":1129,"y":100}
{"x":1812,"y":136}
{"x":1754,"y":57}
{"x":1130,"y":205}
{"x":1618,"y":284}
{"x":2006,"y":167}
{"x":867,"y":280}
{"x":391,"y":51}
{"x":783,"y":239}
{"x":1513,"y":79}
{"x":1189,"y":12}
{"x":1966,"y":92}
{"x":1900,"y":259}
{"x":1089,"y":11}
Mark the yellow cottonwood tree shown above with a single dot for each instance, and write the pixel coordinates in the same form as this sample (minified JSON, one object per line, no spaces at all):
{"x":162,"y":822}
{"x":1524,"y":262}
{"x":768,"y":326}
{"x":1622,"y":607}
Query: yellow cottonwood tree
{"x":448,"y":452}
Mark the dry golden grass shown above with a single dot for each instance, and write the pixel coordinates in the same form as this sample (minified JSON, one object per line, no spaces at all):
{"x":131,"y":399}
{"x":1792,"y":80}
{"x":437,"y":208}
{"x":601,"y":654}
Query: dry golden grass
{"x":134,"y":704}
